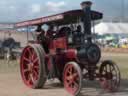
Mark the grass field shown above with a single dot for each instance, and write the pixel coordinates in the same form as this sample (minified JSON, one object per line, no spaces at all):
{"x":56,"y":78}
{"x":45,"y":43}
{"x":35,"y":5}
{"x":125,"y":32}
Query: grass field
{"x":120,"y":59}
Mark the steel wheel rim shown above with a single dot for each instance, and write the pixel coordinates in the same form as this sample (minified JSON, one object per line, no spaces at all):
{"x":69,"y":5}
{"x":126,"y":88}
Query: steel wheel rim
{"x":29,"y":66}
{"x":110,"y":79}
{"x":71,"y":80}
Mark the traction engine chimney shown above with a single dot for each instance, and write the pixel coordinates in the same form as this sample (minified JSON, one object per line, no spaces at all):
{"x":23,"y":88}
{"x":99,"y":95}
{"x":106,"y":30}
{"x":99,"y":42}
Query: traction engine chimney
{"x":86,"y":6}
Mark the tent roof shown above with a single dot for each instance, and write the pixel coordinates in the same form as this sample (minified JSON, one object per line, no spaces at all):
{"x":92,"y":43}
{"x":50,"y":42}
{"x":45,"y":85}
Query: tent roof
{"x":110,"y":28}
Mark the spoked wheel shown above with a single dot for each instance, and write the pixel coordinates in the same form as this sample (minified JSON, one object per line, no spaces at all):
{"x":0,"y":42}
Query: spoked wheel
{"x":32,"y":66}
{"x":72,"y":78}
{"x":110,"y":76}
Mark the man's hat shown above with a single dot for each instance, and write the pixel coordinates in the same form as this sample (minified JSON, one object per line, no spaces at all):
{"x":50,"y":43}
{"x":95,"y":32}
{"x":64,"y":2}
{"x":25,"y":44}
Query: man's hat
{"x":38,"y":29}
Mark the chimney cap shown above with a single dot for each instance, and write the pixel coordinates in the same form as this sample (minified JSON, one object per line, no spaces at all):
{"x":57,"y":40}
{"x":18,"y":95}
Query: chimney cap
{"x":86,"y":3}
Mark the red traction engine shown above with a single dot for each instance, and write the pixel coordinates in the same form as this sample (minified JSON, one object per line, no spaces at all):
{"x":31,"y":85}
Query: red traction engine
{"x":70,"y":57}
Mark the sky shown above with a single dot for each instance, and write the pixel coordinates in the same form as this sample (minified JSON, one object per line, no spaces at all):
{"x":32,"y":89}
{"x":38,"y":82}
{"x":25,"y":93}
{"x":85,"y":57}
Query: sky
{"x":20,"y":10}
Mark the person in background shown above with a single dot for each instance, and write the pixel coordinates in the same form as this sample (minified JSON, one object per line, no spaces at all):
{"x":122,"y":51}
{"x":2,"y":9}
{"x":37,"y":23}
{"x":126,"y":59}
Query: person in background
{"x":50,"y":33}
{"x":78,"y":29}
{"x":77,"y":38}
{"x":42,"y":38}
{"x":40,"y":33}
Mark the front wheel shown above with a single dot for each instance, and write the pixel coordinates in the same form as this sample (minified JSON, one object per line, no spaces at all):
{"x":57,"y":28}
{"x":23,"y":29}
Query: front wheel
{"x":109,"y":76}
{"x":72,"y":78}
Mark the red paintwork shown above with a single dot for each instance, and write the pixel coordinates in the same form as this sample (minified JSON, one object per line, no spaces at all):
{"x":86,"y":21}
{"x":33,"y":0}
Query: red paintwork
{"x":29,"y":66}
{"x":39,"y":21}
{"x":71,"y":79}
{"x":71,"y":54}
{"x":59,"y":43}
{"x":62,"y":56}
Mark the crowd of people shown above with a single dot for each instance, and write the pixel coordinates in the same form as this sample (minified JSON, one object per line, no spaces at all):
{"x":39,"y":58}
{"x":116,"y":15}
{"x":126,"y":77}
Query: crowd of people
{"x":110,"y":40}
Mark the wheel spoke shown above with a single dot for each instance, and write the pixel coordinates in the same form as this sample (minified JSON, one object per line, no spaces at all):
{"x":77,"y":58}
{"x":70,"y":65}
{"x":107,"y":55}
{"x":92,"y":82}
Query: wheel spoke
{"x":31,"y":77}
{"x":35,"y":60}
{"x":68,"y":78}
{"x":36,"y":67}
{"x":111,"y":79}
{"x":75,"y":75}
{"x":71,"y":69}
{"x":26,"y":70}
{"x":76,"y":86}
{"x":110,"y":68}
{"x":29,"y":81}
{"x":32,"y":56}
{"x":113,"y":69}
{"x":106,"y":68}
{"x":35,"y":74}
{"x":29,"y":51}
{"x":72,"y":78}
{"x":26,"y":59}
{"x":69,"y":72}
{"x":70,"y":83}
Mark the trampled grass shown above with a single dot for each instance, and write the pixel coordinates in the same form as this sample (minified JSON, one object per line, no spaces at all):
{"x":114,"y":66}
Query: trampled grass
{"x":11,"y":67}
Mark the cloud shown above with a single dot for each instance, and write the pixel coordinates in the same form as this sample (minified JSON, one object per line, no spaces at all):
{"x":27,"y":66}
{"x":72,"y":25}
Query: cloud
{"x":36,"y":8}
{"x":55,"y":6}
{"x":12,"y":7}
{"x":20,"y":10}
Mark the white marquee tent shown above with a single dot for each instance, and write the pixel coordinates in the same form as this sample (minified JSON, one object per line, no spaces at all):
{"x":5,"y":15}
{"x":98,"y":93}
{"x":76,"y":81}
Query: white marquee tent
{"x":105,"y":28}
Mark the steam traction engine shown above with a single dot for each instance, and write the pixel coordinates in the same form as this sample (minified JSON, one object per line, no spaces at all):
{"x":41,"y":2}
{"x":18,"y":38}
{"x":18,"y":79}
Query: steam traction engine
{"x":70,"y":55}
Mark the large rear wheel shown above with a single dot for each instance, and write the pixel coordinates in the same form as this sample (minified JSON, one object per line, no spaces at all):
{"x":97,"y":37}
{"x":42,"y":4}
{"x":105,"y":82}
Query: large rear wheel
{"x":72,"y":78}
{"x":32,"y":66}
